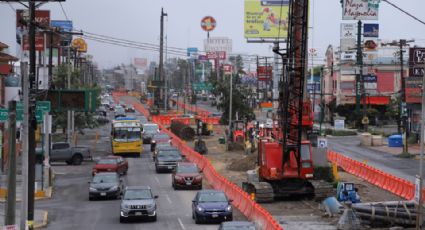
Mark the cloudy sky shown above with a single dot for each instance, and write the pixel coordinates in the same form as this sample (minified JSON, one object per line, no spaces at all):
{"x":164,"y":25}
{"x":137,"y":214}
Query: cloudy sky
{"x":138,"y":20}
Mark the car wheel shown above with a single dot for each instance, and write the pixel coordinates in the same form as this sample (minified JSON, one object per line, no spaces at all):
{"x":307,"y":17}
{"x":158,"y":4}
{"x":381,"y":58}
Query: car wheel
{"x":77,"y":159}
{"x":122,"y":219}
{"x":90,"y":198}
{"x":153,"y":218}
{"x":197,"y":220}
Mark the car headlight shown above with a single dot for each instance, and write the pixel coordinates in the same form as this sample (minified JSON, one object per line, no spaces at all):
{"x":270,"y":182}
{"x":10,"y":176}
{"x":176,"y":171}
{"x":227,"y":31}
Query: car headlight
{"x":199,"y":177}
{"x":92,"y":189}
{"x":200,"y":209}
{"x":153,"y":141}
{"x":229,"y":208}
{"x":114,"y":188}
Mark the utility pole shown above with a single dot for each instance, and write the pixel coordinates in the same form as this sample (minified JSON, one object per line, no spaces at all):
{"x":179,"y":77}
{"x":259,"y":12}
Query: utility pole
{"x":25,"y":95}
{"x":359,"y":63}
{"x":161,"y":57}
{"x":68,"y":85}
{"x":11,"y":175}
{"x":50,"y":72}
{"x":403,"y":106}
{"x":230,"y":110}
{"x":32,"y":123}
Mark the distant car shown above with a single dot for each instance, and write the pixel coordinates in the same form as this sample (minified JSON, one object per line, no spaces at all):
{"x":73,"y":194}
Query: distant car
{"x":111,"y":164}
{"x":211,"y":205}
{"x":75,"y":155}
{"x":105,"y":185}
{"x":119,"y":112}
{"x":167,"y":160}
{"x":269,"y":123}
{"x":163,"y":146}
{"x":159,"y":138}
{"x":175,"y":95}
{"x":149,"y":130}
{"x":130,"y":109}
{"x":214,"y":115}
{"x":186,"y":175}
{"x":187,"y":115}
{"x":237,"y":225}
{"x":138,"y":202}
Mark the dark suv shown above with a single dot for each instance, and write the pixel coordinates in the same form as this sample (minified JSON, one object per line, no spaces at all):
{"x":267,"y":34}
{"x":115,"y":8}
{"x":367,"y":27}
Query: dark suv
{"x":138,"y":202}
{"x":167,"y":160}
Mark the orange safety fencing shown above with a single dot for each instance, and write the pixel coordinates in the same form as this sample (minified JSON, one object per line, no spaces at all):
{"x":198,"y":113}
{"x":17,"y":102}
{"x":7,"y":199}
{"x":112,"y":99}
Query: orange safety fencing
{"x":166,"y":119}
{"x":241,"y":200}
{"x":386,"y":181}
{"x":193,"y":108}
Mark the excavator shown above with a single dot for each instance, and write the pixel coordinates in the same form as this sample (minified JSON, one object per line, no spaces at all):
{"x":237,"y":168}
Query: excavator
{"x":285,"y":165}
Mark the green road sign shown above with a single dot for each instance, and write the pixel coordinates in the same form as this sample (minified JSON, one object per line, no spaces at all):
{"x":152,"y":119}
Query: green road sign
{"x":40,"y":109}
{"x":4,"y":115}
{"x":201,"y":86}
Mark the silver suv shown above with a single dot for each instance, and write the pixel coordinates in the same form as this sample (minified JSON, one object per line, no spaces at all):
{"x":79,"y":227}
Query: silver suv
{"x":138,"y":202}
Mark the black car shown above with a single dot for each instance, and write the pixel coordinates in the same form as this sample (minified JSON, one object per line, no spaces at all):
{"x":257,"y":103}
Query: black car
{"x":149,"y":130}
{"x":237,"y":225}
{"x":158,"y":139}
{"x":138,"y":202}
{"x":165,"y":146}
{"x":105,"y":185}
{"x":167,"y":160}
{"x":211,"y":205}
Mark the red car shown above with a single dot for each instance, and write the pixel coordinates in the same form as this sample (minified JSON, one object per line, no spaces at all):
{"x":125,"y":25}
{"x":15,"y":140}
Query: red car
{"x":111,"y":164}
{"x":186,"y":175}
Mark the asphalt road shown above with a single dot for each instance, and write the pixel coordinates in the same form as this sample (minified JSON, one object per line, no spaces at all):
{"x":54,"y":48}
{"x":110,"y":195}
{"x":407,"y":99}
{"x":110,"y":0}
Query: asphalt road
{"x":70,"y":208}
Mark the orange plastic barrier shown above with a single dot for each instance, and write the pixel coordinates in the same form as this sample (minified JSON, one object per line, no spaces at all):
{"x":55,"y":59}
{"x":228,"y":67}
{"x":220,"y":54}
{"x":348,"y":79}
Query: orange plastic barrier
{"x":241,"y":200}
{"x":386,"y":181}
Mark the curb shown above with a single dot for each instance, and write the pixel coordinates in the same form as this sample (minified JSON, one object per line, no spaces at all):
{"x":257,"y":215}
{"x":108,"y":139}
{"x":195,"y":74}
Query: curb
{"x":45,"y":220}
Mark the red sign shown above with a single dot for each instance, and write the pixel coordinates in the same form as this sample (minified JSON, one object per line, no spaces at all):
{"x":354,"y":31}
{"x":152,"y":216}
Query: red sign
{"x":264,"y":73}
{"x":208,"y":23}
{"x":5,"y":68}
{"x":214,"y":55}
{"x":227,"y":69}
{"x":39,"y":42}
{"x":42,"y":18}
{"x":413,"y":90}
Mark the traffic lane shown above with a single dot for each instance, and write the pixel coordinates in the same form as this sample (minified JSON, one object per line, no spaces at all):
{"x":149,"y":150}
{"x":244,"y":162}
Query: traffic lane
{"x":174,"y":207}
{"x":400,"y":167}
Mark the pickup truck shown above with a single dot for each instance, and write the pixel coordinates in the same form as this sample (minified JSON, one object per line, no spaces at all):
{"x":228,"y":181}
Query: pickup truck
{"x":63,"y":151}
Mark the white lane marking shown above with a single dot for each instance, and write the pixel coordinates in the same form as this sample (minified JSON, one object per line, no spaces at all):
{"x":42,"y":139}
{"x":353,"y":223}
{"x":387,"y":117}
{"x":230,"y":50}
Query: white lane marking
{"x":168,"y":198}
{"x":157,"y":180}
{"x":181,"y":223}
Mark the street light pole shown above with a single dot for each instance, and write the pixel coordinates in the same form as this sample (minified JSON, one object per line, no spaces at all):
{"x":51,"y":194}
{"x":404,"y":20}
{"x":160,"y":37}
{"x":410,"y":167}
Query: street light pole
{"x":230,"y":108}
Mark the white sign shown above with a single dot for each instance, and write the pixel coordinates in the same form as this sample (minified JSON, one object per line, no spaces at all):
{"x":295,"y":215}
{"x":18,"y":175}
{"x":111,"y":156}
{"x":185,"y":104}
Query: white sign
{"x":348,"y":56}
{"x":339,"y":124}
{"x":214,"y":44}
{"x":348,"y":30}
{"x":417,"y":188}
{"x":322,"y":142}
{"x":10,"y":227}
{"x":358,"y":10}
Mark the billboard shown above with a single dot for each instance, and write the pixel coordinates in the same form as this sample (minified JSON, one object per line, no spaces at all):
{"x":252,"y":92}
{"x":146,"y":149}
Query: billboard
{"x":42,"y":17}
{"x":39,"y":42}
{"x":413,"y":89}
{"x":417,"y":60}
{"x":141,"y":63}
{"x":214,"y":55}
{"x":227,"y":69}
{"x":208,"y":23}
{"x":266,"y":19}
{"x":63,"y":25}
{"x":359,"y":10}
{"x":371,"y":30}
{"x":348,"y":36}
{"x":264,"y":73}
{"x":213,"y":44}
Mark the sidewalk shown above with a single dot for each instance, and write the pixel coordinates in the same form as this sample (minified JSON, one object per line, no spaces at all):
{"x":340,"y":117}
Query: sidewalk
{"x":414,"y":149}
{"x":40,"y":216}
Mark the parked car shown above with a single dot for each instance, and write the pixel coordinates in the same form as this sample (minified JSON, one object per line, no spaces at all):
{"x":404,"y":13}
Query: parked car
{"x":211,"y":205}
{"x":138,"y":202}
{"x":167,"y":160}
{"x":111,"y":164}
{"x":186,"y":175}
{"x":149,"y":130}
{"x":163,"y":146}
{"x":158,"y":139}
{"x":64,"y":152}
{"x":105,"y":185}
{"x":237,"y":225}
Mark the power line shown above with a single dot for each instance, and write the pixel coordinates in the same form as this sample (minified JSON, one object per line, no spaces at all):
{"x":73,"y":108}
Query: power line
{"x":405,"y":12}
{"x":63,"y":10}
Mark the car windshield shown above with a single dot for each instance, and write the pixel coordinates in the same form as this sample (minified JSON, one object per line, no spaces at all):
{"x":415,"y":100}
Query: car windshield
{"x":239,"y":228}
{"x":102,"y":178}
{"x":187,"y":169}
{"x":107,"y":161}
{"x":150,"y":128}
{"x":137,"y":194}
{"x":119,"y":110}
{"x":212,"y":197}
{"x":161,"y":136}
{"x":171,"y":153}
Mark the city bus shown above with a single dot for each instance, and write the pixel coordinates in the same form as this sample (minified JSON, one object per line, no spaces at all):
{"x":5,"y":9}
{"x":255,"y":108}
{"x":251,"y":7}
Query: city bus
{"x":126,"y":136}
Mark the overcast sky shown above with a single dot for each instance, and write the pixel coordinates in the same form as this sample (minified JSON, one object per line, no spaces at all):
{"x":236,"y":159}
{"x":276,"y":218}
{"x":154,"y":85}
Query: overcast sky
{"x":138,"y":20}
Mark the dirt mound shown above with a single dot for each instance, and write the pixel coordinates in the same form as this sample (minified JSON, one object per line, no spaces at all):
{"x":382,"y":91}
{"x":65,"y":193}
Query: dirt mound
{"x":246,"y":163}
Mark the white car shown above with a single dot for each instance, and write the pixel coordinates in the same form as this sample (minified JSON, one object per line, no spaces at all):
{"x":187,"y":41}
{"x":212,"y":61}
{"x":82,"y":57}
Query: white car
{"x":269,"y":123}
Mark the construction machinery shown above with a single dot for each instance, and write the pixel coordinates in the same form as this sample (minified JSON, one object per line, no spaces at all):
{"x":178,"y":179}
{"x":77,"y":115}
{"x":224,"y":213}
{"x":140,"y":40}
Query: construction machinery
{"x":236,"y":134}
{"x":285,"y":164}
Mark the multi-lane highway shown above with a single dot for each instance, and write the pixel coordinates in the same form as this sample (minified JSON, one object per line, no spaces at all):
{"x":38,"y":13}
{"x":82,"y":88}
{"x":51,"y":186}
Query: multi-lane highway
{"x":70,"y":208}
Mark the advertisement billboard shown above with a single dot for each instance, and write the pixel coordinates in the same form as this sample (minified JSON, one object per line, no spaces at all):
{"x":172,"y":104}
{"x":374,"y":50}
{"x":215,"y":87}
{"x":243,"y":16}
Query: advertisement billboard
{"x":359,"y":10}
{"x":227,"y":69}
{"x":39,"y":42}
{"x":214,"y":55}
{"x":266,"y":19}
{"x":42,"y":17}
{"x":264,"y":73}
{"x":63,"y":25}
{"x":208,"y":23}
{"x":141,"y":63}
{"x":417,"y":60}
{"x":348,"y":36}
{"x":371,"y":30}
{"x":213,"y":44}
{"x":413,"y":89}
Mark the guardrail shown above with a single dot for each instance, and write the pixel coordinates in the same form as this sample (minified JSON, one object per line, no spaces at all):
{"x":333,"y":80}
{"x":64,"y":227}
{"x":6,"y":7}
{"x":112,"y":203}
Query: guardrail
{"x":241,"y":200}
{"x":386,"y":181}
